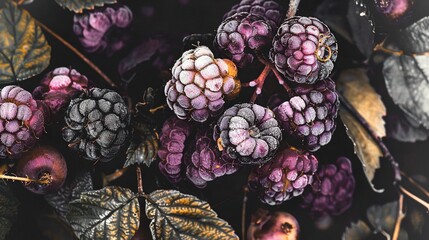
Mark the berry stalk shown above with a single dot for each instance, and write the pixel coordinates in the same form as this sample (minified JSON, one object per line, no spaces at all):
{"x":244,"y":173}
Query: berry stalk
{"x":293,"y":8}
{"x":243,"y":212}
{"x":139,"y":181}
{"x":79,"y":54}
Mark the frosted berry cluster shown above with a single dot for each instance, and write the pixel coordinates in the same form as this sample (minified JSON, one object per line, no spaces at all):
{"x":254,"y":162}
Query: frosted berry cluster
{"x":92,"y":27}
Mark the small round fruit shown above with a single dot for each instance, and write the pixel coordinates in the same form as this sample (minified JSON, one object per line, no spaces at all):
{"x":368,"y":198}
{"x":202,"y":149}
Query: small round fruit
{"x":43,"y":163}
{"x":273,"y":226}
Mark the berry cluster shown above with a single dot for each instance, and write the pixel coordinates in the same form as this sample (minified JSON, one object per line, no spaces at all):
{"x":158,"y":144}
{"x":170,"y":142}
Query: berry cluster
{"x":301,"y":52}
{"x":94,"y":29}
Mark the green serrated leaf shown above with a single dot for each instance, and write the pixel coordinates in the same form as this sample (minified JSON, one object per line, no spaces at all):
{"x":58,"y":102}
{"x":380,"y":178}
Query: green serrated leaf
{"x":24,"y":51}
{"x":357,"y":231}
{"x":8,"y":210}
{"x":356,"y":89}
{"x":109,"y":213}
{"x":78,"y":6}
{"x":176,"y":215}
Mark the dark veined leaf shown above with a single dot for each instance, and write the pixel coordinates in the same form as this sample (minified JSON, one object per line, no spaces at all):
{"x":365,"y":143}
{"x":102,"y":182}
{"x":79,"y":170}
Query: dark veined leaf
{"x":78,"y":6}
{"x":357,"y":231}
{"x":362,"y":26}
{"x":354,"y":86}
{"x":144,"y":145}
{"x":383,"y":219}
{"x":24,"y":51}
{"x":109,"y":213}
{"x":332,"y":14}
{"x":54,"y":227}
{"x":403,"y":128}
{"x":8,"y":210}
{"x":70,"y":191}
{"x":407,"y":76}
{"x":176,"y":215}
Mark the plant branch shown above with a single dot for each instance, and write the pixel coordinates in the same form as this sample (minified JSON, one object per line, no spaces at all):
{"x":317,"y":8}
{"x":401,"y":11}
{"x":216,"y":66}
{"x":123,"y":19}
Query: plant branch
{"x":139,"y":181}
{"x":293,"y":8}
{"x":377,"y":140}
{"x":415,"y":183}
{"x":113,"y":176}
{"x":399,"y":218}
{"x":243,"y":213}
{"x":414,"y":197}
{"x":79,"y":54}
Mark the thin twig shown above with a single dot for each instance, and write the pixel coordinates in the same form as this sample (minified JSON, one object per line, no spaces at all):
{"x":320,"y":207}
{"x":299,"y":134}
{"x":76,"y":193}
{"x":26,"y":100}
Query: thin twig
{"x":380,"y":47}
{"x":399,"y":218}
{"x":79,"y":54}
{"x":113,"y":176}
{"x":368,"y":128}
{"x":42,"y":180}
{"x":414,"y":197}
{"x":293,"y":8}
{"x":415,"y":183}
{"x":153,"y":110}
{"x":139,"y":181}
{"x":243,"y":213}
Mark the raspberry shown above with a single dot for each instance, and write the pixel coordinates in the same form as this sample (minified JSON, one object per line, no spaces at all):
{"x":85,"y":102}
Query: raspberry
{"x":21,"y":121}
{"x":97,"y":124}
{"x":241,"y":34}
{"x":248,"y":133}
{"x":304,"y":50}
{"x":199,"y":84}
{"x":205,"y":163}
{"x":284,"y":177}
{"x":59,"y":86}
{"x":92,"y":27}
{"x":332,"y":192}
{"x":270,"y":10}
{"x":172,"y":146}
{"x":310,"y":117}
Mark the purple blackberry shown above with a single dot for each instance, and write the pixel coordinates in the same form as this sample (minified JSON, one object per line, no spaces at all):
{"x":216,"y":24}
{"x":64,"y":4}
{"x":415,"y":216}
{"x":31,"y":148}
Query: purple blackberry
{"x":284,"y":177}
{"x":172,"y":146}
{"x":59,"y":86}
{"x":266,"y":225}
{"x":92,"y":27}
{"x":241,"y":34}
{"x":270,"y":10}
{"x":97,"y":124}
{"x":21,"y":121}
{"x":205,"y":162}
{"x":248,"y":133}
{"x":304,"y":50}
{"x":199,"y":84}
{"x":332,"y":191}
{"x":309,"y":117}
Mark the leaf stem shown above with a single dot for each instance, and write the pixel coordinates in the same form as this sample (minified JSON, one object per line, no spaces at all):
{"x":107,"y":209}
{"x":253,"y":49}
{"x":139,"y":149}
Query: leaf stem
{"x":139,"y":181}
{"x":377,"y":140}
{"x":399,"y":218}
{"x":243,"y":212}
{"x":293,"y":8}
{"x":79,"y":54}
{"x":414,"y":197}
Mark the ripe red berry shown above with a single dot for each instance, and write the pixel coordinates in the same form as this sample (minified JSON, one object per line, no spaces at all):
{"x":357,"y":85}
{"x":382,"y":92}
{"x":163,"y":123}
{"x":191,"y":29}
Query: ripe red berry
{"x":45,"y":164}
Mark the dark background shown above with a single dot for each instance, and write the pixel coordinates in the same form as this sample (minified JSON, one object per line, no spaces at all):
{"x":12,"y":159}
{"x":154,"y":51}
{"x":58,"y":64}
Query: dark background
{"x":174,"y":21}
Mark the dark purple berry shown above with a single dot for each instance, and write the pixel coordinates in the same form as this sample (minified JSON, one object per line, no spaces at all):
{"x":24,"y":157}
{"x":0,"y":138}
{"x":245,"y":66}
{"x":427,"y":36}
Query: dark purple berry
{"x":332,"y":191}
{"x":284,"y":177}
{"x":45,"y":164}
{"x":304,"y":50}
{"x":174,"y":134}
{"x":394,"y":9}
{"x":309,"y":117}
